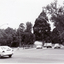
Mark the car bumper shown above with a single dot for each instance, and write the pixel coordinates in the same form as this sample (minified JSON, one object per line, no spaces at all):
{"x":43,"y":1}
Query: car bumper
{"x":48,"y":46}
{"x":38,"y":47}
{"x":56,"y":47}
{"x":6,"y":53}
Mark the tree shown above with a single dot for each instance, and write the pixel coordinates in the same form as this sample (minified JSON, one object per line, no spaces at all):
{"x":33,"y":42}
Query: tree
{"x":54,"y":36}
{"x":28,"y":38}
{"x":28,"y":27}
{"x":20,"y":33}
{"x":57,"y":16}
{"x":10,"y":33}
{"x":42,"y":28}
{"x":3,"y":37}
{"x":7,"y":35}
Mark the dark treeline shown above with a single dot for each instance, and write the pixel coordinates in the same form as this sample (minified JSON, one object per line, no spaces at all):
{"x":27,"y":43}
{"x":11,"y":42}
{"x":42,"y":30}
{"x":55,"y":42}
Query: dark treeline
{"x":19,"y":37}
{"x":41,"y":29}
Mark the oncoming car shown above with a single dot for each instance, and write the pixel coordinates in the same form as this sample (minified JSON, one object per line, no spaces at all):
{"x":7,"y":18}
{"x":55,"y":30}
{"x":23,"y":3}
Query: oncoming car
{"x":6,"y":51}
{"x":38,"y":44}
{"x":48,"y":45}
{"x":38,"y":47}
{"x":57,"y":46}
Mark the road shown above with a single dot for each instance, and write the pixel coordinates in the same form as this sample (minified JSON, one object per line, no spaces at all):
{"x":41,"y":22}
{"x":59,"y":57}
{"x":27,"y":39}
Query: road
{"x":35,"y":56}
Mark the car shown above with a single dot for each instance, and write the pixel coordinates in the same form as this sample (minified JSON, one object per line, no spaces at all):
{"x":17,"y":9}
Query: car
{"x":6,"y":51}
{"x":57,"y":46}
{"x":48,"y":45}
{"x":38,"y":47}
{"x":38,"y":44}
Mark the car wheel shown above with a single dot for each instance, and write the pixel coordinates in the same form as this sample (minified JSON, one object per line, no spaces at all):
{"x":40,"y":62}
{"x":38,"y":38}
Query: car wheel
{"x":0,"y":56}
{"x":58,"y":47}
{"x":50,"y":46}
{"x":10,"y":56}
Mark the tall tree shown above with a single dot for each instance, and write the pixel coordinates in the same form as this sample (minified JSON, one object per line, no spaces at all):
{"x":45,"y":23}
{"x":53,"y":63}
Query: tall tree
{"x":28,"y":27}
{"x":3,"y":37}
{"x":20,"y":32}
{"x":57,"y":16}
{"x":42,"y":28}
{"x":10,"y":32}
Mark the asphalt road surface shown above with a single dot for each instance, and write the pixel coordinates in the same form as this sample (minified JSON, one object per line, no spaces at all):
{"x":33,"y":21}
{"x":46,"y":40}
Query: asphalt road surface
{"x":35,"y":56}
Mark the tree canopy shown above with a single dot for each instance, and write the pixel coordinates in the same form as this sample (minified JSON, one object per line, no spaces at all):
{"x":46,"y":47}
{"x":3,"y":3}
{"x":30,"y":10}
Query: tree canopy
{"x":42,"y":27}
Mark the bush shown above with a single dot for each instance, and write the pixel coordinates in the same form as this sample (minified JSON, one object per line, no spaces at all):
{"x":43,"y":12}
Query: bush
{"x":28,"y":38}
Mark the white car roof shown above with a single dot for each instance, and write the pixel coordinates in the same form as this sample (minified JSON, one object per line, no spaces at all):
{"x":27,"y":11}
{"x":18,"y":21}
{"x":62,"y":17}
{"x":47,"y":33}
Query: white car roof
{"x":38,"y":42}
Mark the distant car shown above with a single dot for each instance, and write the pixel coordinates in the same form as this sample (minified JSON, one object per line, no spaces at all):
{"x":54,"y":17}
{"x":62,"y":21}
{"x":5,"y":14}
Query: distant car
{"x":39,"y":47}
{"x":48,"y":45}
{"x":38,"y":44}
{"x":6,"y":51}
{"x":56,"y":46}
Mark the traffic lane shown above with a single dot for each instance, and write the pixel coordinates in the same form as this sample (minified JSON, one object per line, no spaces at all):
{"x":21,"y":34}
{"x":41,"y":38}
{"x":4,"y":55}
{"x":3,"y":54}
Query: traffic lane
{"x":47,"y":55}
{"x":35,"y":56}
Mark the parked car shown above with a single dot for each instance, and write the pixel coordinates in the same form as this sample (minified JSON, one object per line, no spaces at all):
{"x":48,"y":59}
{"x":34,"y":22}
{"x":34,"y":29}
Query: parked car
{"x":6,"y":51}
{"x":56,"y":46}
{"x":38,"y":44}
{"x":48,"y":45}
{"x":39,"y":47}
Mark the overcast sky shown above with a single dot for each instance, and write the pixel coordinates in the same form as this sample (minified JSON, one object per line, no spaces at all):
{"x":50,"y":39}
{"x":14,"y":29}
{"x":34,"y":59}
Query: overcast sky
{"x":15,"y":12}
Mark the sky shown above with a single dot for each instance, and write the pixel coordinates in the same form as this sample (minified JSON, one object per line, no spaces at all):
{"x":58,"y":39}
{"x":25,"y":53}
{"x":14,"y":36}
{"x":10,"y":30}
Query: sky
{"x":14,"y":12}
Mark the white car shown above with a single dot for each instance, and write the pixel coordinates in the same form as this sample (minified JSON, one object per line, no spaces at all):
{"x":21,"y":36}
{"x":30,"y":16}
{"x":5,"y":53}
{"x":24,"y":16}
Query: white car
{"x":48,"y":45}
{"x":6,"y":51}
{"x":38,"y":44}
{"x":38,"y":47}
{"x":56,"y":46}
